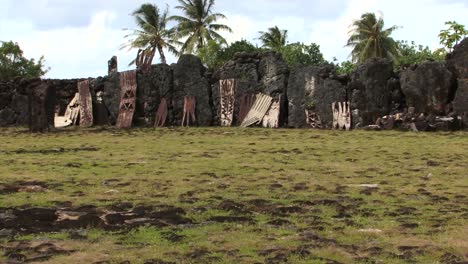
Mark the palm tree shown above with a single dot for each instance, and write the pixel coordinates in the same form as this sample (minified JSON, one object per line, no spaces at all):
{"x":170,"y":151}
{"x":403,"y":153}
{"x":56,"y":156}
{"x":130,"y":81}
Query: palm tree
{"x":198,"y":24}
{"x":274,"y":39}
{"x":369,"y":39}
{"x":152,"y":34}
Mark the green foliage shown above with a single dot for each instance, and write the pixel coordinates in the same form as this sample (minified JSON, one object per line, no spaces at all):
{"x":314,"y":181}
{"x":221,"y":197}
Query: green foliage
{"x":274,"y":39}
{"x":301,"y":54}
{"x":13,"y":64}
{"x":369,"y":39}
{"x":153,"y":33}
{"x":214,"y":54}
{"x":198,"y":24}
{"x":209,"y":54}
{"x":345,"y":67}
{"x":410,"y":54}
{"x":227,"y":53}
{"x":452,"y":36}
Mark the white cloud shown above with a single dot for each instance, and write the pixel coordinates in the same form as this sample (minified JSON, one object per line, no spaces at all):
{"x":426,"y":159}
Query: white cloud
{"x":77,"y":38}
{"x":73,"y":52}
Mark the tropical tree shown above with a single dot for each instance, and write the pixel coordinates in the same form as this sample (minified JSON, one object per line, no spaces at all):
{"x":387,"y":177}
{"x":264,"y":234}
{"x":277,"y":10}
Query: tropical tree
{"x":153,"y":33}
{"x":13,"y":64}
{"x":369,"y":39}
{"x":301,"y":54}
{"x":198,"y":24}
{"x":227,"y":53}
{"x":274,"y":39}
{"x":215,"y":54}
{"x":410,"y":54}
{"x":451,"y":37}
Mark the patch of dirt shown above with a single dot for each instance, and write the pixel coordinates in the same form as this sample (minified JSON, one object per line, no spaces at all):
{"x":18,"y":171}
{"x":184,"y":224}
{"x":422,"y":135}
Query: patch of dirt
{"x":50,"y":151}
{"x":23,"y":186}
{"x":172,"y":236}
{"x":449,"y":258}
{"x":157,"y":261}
{"x":36,"y":219}
{"x":33,"y":252}
{"x":279,"y":222}
{"x":231,"y":219}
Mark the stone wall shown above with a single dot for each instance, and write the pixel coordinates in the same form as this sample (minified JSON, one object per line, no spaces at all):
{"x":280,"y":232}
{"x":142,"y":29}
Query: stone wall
{"x":373,"y":88}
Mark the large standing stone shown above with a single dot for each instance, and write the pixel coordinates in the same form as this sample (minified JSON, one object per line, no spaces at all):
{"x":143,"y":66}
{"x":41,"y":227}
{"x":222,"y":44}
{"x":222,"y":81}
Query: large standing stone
{"x":254,"y":73}
{"x":370,"y":90}
{"x":458,"y":63}
{"x":41,"y":105}
{"x":312,"y":88}
{"x":152,"y":86}
{"x":111,"y":96}
{"x":427,"y":86}
{"x":189,"y":80}
{"x":7,"y":117}
{"x":20,"y":106}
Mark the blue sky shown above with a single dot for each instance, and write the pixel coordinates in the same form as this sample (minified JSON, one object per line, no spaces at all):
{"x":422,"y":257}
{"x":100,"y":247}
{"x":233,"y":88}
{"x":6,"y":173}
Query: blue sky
{"x":78,"y":37}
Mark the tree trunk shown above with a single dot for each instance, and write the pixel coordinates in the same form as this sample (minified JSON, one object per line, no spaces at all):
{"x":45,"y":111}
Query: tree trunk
{"x":161,"y":53}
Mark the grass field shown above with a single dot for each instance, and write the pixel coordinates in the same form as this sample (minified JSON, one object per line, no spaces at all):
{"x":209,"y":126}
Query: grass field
{"x":232,"y":195}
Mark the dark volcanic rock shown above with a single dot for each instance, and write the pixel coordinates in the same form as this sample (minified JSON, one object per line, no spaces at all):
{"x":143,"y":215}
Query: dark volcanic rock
{"x":458,"y":59}
{"x":427,"y":86}
{"x":7,"y":117}
{"x":370,"y":90}
{"x":189,"y":80}
{"x":152,"y":86}
{"x":42,"y":97}
{"x":313,"y":88}
{"x":111,"y":96}
{"x":254,"y":73}
{"x":458,"y":63}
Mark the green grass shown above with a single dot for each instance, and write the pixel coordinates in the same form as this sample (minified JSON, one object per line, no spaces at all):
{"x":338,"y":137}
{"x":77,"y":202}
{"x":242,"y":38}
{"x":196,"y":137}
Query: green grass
{"x":196,"y":169}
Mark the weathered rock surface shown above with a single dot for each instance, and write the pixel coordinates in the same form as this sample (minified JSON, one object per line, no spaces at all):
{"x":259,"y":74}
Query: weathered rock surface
{"x":313,"y":88}
{"x":427,"y":87}
{"x":370,"y":90}
{"x":458,"y":63}
{"x":189,"y":80}
{"x":152,"y":86}
{"x":111,"y":95}
{"x":254,"y":73}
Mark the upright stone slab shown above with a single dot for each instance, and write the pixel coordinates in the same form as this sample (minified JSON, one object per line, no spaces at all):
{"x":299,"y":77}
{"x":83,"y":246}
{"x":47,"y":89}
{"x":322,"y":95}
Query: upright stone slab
{"x":264,"y":72}
{"x":190,"y":80}
{"x":271,"y":119}
{"x":128,"y":85}
{"x":312,"y":89}
{"x":226,"y":91}
{"x":112,"y":66}
{"x":153,"y":86}
{"x":189,"y":117}
{"x":370,"y":90}
{"x":41,"y":105}
{"x":458,"y":64}
{"x":161,"y":114}
{"x":427,"y":86}
{"x":86,"y":104}
{"x":258,"y":111}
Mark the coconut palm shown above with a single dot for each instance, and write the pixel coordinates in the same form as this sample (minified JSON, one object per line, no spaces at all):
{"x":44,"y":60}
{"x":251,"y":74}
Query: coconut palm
{"x":153,"y":33}
{"x":274,"y":39}
{"x":369,"y":39}
{"x":198,"y":24}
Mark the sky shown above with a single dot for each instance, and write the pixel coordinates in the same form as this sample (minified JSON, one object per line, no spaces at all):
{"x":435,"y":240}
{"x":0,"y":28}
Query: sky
{"x":78,"y":37}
